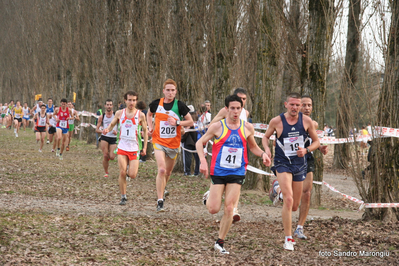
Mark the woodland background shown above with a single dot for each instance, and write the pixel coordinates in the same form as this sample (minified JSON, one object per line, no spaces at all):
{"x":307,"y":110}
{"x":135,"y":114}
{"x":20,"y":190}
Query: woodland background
{"x":101,"y":49}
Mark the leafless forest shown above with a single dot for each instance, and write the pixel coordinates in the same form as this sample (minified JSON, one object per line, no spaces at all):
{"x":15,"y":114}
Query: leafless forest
{"x":101,"y":49}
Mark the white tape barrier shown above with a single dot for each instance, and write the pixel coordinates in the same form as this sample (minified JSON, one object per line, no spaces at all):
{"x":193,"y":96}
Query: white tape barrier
{"x":362,"y":204}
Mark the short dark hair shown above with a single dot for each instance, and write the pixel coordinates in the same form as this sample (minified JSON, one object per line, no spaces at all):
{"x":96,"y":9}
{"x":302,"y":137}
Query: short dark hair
{"x":141,"y":105}
{"x":108,"y":100}
{"x":240,"y":90}
{"x":43,"y":105}
{"x":49,"y":99}
{"x":131,"y":93}
{"x":63,"y":100}
{"x":293,"y":95}
{"x":232,"y":98}
{"x":307,"y":96}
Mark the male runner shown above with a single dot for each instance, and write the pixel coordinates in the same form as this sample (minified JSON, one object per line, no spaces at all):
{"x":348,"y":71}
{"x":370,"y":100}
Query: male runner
{"x":49,"y":110}
{"x":63,"y":113}
{"x":166,"y":135}
{"x":229,"y":163}
{"x":52,"y":129}
{"x":18,"y":113}
{"x":10,"y":114}
{"x":290,"y":165}
{"x":107,"y":141}
{"x":242,"y":93}
{"x":40,"y":125}
{"x":26,"y":117}
{"x":130,"y":119}
{"x":71,"y":123}
{"x":35,"y":109}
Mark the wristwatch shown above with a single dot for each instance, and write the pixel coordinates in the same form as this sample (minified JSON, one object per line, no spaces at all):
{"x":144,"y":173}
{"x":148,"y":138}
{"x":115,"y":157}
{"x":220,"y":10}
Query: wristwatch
{"x":177,"y":122}
{"x":307,"y":150}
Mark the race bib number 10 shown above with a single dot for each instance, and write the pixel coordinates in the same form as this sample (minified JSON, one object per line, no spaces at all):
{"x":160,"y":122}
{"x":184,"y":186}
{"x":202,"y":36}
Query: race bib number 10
{"x":231,"y":157}
{"x":166,"y":130}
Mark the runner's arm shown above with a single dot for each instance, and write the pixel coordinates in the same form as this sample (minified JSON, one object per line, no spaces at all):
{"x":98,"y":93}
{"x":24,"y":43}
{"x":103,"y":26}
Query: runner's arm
{"x":77,"y":115}
{"x":200,"y":147}
{"x":313,"y":135}
{"x":149,"y":122}
{"x":221,"y":115}
{"x":99,"y":123}
{"x":145,"y":132}
{"x":269,"y":131}
{"x":254,"y":148}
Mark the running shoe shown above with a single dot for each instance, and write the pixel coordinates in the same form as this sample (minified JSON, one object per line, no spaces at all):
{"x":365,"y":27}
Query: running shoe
{"x":299,"y":233}
{"x":67,"y":148}
{"x":236,"y":215}
{"x":52,"y":150}
{"x":289,"y":244}
{"x":220,"y":249}
{"x":48,"y":142}
{"x":165,"y":193}
{"x":123,"y":201}
{"x":160,"y":206}
{"x":16,"y":135}
{"x":57,"y":153}
{"x":273,"y":195}
{"x":15,"y":131}
{"x":205,"y":197}
{"x":40,"y":150}
{"x":106,"y":175}
{"x":61,"y":157}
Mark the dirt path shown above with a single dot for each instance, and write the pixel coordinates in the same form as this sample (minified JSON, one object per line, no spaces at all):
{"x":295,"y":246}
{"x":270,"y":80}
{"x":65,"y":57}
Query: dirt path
{"x":65,"y":212}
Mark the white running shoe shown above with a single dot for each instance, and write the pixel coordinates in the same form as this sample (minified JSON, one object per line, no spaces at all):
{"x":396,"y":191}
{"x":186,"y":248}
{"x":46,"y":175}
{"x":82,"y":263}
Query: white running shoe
{"x":16,"y":135}
{"x":57,"y":153}
{"x":61,"y":158}
{"x":40,"y":150}
{"x":289,"y":244}
{"x":15,"y":131}
{"x":48,"y":142}
{"x":205,"y":197}
{"x":220,"y":249}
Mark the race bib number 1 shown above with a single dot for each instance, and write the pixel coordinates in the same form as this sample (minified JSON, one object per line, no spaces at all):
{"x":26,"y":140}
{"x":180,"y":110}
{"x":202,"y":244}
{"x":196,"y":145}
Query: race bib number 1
{"x":167,"y":131}
{"x":63,"y":124}
{"x":128,"y":133}
{"x":231,"y":157}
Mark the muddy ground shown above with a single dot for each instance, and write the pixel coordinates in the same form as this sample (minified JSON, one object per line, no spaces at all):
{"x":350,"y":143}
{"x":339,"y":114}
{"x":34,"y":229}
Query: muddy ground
{"x":56,"y":212}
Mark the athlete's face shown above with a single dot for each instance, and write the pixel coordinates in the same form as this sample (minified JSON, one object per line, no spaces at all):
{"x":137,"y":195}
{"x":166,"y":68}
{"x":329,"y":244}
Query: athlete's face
{"x":307,"y":106}
{"x":131,"y":101}
{"x":18,"y":104}
{"x":170,"y":91}
{"x":43,"y":109}
{"x":243,"y":98}
{"x":208,"y":106}
{"x":25,"y":105}
{"x":50,"y":102}
{"x":234,"y":111}
{"x":70,"y":105}
{"x":293,"y":106}
{"x":63,"y":105}
{"x":109,"y":106}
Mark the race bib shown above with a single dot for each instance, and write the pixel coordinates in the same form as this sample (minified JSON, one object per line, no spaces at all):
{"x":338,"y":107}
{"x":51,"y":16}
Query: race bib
{"x":231,"y":157}
{"x":128,"y":131}
{"x":167,"y":131}
{"x":63,"y":124}
{"x":291,"y":145}
{"x":42,"y":122}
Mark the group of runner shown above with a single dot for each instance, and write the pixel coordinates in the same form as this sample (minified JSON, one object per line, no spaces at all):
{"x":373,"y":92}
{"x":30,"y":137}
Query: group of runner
{"x":57,"y":124}
{"x":296,"y":139}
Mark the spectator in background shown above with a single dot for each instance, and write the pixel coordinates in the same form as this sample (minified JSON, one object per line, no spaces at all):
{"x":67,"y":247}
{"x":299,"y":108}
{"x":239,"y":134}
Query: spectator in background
{"x":208,"y":106}
{"x":143,"y":108}
{"x":204,"y":119}
{"x":121,"y":105}
{"x":99,"y":113}
{"x":189,"y":139}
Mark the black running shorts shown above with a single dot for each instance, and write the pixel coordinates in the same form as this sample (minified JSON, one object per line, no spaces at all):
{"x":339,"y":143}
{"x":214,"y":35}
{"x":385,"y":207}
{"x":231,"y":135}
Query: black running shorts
{"x":230,"y":179}
{"x":111,"y":141}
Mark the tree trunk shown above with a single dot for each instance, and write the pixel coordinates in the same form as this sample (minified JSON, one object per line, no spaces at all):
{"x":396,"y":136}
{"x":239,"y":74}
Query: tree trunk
{"x":384,"y":178}
{"x":344,"y":110}
{"x":321,"y":21}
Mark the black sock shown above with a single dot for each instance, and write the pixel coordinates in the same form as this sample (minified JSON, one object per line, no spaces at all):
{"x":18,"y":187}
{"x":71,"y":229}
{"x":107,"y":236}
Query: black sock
{"x":220,"y":242}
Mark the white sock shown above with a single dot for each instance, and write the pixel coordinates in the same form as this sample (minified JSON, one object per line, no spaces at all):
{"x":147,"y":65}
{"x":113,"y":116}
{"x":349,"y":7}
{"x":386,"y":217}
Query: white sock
{"x":160,"y":199}
{"x":299,"y":227}
{"x":287,"y":237}
{"x":280,"y":195}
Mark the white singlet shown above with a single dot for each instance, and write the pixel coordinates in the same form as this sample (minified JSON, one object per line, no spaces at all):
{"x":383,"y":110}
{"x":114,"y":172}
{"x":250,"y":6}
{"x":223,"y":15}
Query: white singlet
{"x":128,"y":134}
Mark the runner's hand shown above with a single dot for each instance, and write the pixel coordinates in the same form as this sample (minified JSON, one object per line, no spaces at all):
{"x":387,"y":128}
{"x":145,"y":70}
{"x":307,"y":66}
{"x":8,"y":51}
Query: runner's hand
{"x":204,"y":168}
{"x":105,"y":131}
{"x":323,"y":149}
{"x":301,"y":152}
{"x":150,"y":132}
{"x":143,"y":153}
{"x":266,"y":159}
{"x":172,"y":121}
{"x":114,"y":132}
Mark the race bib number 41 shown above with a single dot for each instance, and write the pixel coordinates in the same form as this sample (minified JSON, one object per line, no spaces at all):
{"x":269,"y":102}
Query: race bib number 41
{"x":166,"y":130}
{"x":231,"y":157}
